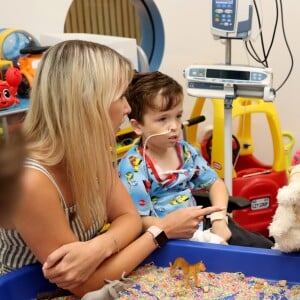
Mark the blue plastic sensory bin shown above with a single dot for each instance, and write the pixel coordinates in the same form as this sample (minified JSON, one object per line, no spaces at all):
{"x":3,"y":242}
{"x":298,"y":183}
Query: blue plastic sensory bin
{"x":273,"y":265}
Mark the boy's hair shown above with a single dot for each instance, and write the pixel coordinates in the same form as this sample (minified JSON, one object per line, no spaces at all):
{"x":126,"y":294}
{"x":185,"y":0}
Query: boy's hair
{"x":144,"y":87}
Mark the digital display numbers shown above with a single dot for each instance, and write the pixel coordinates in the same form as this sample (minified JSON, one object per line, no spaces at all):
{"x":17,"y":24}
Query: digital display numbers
{"x":227,"y":74}
{"x":224,"y":1}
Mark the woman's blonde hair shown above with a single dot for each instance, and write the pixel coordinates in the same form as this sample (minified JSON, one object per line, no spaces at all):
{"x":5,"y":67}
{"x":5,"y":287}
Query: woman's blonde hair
{"x":68,"y":119}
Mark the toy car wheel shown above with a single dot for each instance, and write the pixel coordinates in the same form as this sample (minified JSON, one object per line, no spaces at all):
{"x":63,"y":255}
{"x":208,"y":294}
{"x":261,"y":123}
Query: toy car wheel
{"x":24,"y":88}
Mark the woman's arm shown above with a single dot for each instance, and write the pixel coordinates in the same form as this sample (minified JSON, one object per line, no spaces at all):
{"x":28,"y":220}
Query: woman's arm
{"x":72,"y":264}
{"x":182,"y":223}
{"x":113,"y":267}
{"x":41,"y":221}
{"x":40,"y":217}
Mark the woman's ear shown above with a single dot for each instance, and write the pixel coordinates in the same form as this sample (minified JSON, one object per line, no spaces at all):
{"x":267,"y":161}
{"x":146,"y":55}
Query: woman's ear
{"x":136,"y":126}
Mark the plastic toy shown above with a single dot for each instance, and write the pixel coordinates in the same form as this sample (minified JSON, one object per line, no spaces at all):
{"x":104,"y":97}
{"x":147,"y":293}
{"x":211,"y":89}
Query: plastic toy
{"x":296,"y":158}
{"x":28,"y":64}
{"x":24,"y":51}
{"x":125,"y":139}
{"x":188,"y":270}
{"x":8,"y":88}
{"x":289,"y":142}
{"x":4,"y":65}
{"x":110,"y":289}
{"x":285,"y":227}
{"x":251,"y":178}
{"x":12,"y":40}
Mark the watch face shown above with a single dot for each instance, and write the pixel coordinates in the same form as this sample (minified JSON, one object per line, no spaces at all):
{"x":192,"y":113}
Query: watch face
{"x":162,"y":239}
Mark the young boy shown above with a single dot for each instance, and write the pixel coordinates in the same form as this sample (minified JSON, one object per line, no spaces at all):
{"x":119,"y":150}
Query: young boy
{"x":161,"y":170}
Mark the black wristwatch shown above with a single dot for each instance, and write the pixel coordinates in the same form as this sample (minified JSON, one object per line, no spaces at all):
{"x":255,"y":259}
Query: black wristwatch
{"x":159,"y":236}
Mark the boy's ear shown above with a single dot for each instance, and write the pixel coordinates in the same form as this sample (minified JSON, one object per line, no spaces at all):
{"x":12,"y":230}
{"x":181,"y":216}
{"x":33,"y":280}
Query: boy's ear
{"x":136,"y":126}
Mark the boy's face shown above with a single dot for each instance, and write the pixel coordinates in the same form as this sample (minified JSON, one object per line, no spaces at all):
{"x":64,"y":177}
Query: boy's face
{"x":166,"y":122}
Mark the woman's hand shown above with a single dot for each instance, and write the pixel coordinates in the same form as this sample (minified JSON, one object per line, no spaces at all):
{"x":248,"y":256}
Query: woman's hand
{"x":182,"y":223}
{"x":72,"y":264}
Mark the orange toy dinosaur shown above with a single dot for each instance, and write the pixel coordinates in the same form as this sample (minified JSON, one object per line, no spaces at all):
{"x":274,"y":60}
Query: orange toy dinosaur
{"x":187,"y":270}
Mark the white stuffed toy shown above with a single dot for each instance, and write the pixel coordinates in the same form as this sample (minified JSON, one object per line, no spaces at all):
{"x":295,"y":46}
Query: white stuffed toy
{"x":285,"y":226}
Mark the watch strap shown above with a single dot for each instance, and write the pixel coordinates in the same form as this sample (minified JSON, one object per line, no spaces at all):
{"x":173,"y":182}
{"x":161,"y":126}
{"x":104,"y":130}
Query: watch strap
{"x":159,"y":236}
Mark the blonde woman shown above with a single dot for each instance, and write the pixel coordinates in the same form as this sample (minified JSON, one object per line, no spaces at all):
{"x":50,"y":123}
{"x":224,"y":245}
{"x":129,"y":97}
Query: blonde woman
{"x":71,"y":187}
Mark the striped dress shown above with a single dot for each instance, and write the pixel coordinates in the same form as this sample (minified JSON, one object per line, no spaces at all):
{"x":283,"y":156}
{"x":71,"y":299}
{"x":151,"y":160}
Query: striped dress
{"x":14,"y":253}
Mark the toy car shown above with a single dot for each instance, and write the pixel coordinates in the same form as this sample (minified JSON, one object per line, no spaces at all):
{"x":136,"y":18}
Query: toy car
{"x":251,"y":178}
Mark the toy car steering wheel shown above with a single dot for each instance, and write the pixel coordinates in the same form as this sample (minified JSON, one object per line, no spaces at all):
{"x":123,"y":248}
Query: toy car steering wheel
{"x":235,"y":148}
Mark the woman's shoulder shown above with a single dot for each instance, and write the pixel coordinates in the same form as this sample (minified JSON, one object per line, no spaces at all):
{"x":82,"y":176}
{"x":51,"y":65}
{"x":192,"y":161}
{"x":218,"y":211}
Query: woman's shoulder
{"x":38,"y":182}
{"x":35,"y":182}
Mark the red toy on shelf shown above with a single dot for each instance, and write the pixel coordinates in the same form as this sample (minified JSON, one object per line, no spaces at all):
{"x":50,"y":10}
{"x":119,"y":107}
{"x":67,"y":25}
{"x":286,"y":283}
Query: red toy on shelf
{"x":9,"y":88}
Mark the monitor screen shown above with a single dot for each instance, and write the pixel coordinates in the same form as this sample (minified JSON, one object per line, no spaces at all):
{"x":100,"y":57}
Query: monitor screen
{"x":227,"y":74}
{"x":224,"y":1}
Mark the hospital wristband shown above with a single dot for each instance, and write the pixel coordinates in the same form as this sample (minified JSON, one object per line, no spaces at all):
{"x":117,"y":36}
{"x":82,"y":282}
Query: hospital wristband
{"x":218,"y":216}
